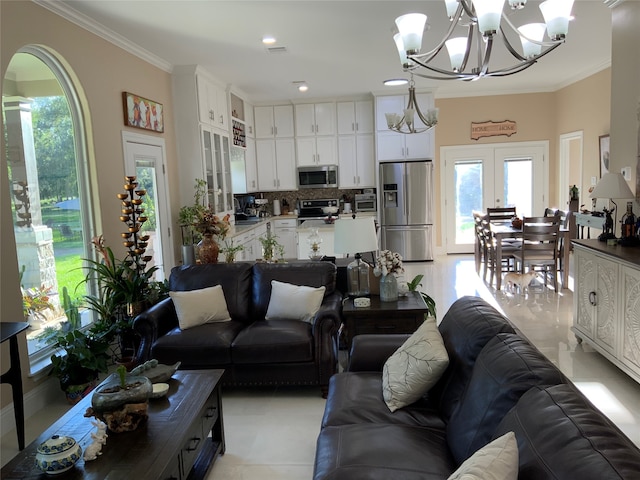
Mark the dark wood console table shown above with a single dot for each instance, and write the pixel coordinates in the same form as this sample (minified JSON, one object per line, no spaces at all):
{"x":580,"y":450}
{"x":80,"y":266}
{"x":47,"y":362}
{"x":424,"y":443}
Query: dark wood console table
{"x":403,"y":316}
{"x":173,"y":444}
{"x":13,"y":376}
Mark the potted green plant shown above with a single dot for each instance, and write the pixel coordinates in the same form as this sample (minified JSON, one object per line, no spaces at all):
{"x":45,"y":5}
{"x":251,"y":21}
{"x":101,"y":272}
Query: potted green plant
{"x":81,"y":355}
{"x":230,"y":250}
{"x":271,"y":248}
{"x":188,"y":216}
{"x":431,"y":303}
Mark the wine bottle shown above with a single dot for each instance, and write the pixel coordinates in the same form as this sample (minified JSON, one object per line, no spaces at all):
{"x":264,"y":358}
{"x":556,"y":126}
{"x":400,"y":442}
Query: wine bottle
{"x":629,"y":222}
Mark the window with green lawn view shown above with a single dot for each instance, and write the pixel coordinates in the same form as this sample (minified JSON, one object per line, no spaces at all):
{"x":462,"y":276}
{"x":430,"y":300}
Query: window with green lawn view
{"x":46,"y":184}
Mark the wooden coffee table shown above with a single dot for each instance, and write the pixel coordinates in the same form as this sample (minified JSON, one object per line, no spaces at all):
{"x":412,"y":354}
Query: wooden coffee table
{"x":403,"y":316}
{"x":173,"y":444}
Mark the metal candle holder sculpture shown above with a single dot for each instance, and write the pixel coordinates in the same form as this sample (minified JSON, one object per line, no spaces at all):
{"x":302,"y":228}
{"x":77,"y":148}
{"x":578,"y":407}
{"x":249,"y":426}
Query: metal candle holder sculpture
{"x":132,"y":216}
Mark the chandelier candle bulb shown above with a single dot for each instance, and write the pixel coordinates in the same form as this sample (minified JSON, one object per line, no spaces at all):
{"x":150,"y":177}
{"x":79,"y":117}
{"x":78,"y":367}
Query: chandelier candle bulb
{"x":411,"y":27}
{"x":556,"y":15}
{"x":531,"y":36}
{"x":489,"y":13}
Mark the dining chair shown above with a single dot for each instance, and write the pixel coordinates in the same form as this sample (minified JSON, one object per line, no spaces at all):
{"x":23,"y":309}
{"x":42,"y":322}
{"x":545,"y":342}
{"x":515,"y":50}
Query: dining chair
{"x":480,"y":250}
{"x":507,"y":263}
{"x":501,"y":214}
{"x":551,"y":212}
{"x":540,"y":247}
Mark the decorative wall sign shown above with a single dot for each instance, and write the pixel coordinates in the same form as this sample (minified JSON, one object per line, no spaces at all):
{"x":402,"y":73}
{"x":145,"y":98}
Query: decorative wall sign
{"x":142,"y":113}
{"x":493,"y":129}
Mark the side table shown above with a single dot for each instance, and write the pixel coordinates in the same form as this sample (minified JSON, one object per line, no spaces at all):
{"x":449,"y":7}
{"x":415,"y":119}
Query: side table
{"x":403,"y":316}
{"x":13,"y":376}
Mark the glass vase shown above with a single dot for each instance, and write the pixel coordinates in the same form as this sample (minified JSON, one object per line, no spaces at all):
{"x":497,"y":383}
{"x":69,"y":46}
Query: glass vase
{"x":389,"y":288}
{"x":208,"y":249}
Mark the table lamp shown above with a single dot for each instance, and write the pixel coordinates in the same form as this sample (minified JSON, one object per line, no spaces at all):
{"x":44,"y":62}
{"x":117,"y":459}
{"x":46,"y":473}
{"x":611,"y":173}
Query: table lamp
{"x":356,"y":236}
{"x":610,"y":186}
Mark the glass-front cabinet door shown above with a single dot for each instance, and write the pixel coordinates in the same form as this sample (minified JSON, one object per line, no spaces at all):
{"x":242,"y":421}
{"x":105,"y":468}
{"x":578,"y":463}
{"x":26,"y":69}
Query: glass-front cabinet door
{"x":209,"y":168}
{"x":217,"y":164}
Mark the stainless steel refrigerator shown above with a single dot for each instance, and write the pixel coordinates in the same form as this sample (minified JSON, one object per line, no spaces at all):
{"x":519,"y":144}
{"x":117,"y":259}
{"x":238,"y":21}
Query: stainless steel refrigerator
{"x":407,"y":209}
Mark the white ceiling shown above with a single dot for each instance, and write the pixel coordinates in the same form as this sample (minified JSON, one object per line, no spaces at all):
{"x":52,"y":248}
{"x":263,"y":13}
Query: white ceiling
{"x":340,"y":48}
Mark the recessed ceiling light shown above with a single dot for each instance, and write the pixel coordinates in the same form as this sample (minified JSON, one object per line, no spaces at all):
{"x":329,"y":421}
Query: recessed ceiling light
{"x":268,"y":40}
{"x":394,"y":82}
{"x":303,"y":88}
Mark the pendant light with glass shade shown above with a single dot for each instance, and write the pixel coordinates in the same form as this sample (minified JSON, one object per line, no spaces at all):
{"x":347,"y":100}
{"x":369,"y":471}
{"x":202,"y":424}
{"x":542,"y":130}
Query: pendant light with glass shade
{"x":484,"y":22}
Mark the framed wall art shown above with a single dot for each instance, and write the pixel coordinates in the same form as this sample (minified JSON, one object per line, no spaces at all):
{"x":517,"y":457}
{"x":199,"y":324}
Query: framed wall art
{"x":140,"y":112}
{"x":604,"y":154}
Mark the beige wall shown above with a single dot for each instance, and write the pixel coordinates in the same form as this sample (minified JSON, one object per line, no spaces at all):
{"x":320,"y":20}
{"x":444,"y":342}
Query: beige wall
{"x":585,"y":106}
{"x":103,"y":72}
{"x":539,"y":116}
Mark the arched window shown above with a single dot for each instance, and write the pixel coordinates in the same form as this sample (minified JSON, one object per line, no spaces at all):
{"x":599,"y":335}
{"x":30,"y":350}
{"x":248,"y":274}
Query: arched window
{"x":47,"y":155}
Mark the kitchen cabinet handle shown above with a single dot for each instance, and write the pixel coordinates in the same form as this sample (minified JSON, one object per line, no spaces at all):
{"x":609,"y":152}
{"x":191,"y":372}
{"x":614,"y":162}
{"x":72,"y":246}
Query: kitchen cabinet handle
{"x":274,"y":183}
{"x":272,"y":132}
{"x":276,"y":129}
{"x":592,"y":298}
{"x":354,"y":180}
{"x":353,"y":127}
{"x":357,"y":127}
{"x":358,"y":179}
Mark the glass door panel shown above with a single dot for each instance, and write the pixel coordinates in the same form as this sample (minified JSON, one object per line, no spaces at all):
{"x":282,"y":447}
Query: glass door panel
{"x":469,"y":193}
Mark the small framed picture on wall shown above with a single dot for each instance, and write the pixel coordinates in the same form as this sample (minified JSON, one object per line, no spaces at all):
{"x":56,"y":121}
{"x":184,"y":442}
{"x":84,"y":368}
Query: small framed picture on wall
{"x":604,"y":154}
{"x":143,"y":113}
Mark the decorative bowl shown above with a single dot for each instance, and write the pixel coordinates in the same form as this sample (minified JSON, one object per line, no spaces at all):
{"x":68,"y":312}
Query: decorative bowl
{"x":58,"y":454}
{"x":516,"y":222}
{"x":159,"y":390}
{"x":329,"y":210}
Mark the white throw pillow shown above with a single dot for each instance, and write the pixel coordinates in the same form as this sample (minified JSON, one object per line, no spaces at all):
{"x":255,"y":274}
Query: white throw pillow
{"x":497,"y":460}
{"x":197,"y":307}
{"x":294,"y":302}
{"x":415,"y":367}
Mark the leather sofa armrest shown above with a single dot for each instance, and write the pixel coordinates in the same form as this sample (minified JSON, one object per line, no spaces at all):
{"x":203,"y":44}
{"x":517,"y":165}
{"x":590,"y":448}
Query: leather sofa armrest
{"x":152,"y":324}
{"x":369,"y":352}
{"x":324,"y":329}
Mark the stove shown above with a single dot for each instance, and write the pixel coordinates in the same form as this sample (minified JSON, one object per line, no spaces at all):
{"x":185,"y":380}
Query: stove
{"x":312,"y":209}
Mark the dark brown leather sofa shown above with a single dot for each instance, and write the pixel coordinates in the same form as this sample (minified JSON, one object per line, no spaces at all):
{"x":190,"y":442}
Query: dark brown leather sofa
{"x":496,"y":382}
{"x":253,"y":351}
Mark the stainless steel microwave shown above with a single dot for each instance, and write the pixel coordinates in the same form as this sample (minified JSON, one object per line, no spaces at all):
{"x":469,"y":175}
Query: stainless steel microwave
{"x":322,"y":176}
{"x":366,"y":202}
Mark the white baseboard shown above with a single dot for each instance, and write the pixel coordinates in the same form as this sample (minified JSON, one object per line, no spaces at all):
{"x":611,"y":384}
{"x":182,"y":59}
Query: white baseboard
{"x":35,"y":399}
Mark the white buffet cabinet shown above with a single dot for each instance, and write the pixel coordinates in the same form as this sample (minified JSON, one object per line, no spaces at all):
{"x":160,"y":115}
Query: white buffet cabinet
{"x":606,"y":310}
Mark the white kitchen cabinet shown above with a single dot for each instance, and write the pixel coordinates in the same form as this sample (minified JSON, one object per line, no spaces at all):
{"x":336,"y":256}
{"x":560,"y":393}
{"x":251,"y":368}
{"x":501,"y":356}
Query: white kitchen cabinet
{"x":203,"y":148}
{"x":276,"y":163}
{"x":251,"y":168}
{"x":315,"y":119}
{"x":606,"y":310}
{"x":392,"y":145}
{"x":397,"y":146}
{"x":356,"y":161}
{"x":285,"y":231}
{"x":212,"y":103}
{"x":355,"y":117}
{"x":274,"y":121}
{"x":316,"y":151}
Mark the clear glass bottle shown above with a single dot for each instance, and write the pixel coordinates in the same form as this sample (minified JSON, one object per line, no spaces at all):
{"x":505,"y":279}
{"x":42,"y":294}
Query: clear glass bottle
{"x":629,"y":222}
{"x":388,"y":288}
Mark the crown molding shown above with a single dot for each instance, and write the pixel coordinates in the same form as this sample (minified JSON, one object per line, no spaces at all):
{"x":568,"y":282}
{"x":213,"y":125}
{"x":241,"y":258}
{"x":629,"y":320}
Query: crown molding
{"x":81,"y":20}
{"x":612,"y":3}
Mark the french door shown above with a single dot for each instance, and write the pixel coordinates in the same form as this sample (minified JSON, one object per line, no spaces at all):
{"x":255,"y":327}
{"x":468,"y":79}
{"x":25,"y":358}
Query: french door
{"x":492,"y":175}
{"x":144,"y":157}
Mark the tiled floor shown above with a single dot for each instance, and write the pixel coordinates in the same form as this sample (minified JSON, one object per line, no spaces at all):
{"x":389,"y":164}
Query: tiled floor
{"x":271,"y":433}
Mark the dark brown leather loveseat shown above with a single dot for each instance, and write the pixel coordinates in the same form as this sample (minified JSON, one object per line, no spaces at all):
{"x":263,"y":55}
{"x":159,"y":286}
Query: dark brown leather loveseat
{"x":496,"y":382}
{"x":252,"y":350}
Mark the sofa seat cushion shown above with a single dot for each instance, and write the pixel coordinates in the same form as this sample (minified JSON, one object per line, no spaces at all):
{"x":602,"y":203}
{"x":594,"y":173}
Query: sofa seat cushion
{"x":561,"y":435}
{"x":507,"y":367}
{"x":207,"y":345}
{"x":273,"y":341}
{"x":356,"y":397}
{"x":372,"y":452}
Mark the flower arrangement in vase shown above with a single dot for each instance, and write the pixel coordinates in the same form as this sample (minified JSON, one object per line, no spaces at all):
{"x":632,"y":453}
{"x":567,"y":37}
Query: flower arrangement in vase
{"x":389,"y":265}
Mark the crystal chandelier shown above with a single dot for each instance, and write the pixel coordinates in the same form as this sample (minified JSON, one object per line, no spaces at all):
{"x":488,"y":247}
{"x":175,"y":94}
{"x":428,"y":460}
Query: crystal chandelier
{"x":484,"y":21}
{"x":406,"y":123}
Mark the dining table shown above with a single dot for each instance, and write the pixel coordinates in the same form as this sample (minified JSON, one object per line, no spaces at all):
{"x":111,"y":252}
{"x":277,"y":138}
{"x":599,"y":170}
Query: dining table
{"x":503,"y":231}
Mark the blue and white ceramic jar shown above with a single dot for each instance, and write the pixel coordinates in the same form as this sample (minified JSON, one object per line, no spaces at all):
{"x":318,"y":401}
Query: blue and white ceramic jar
{"x":58,"y":454}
